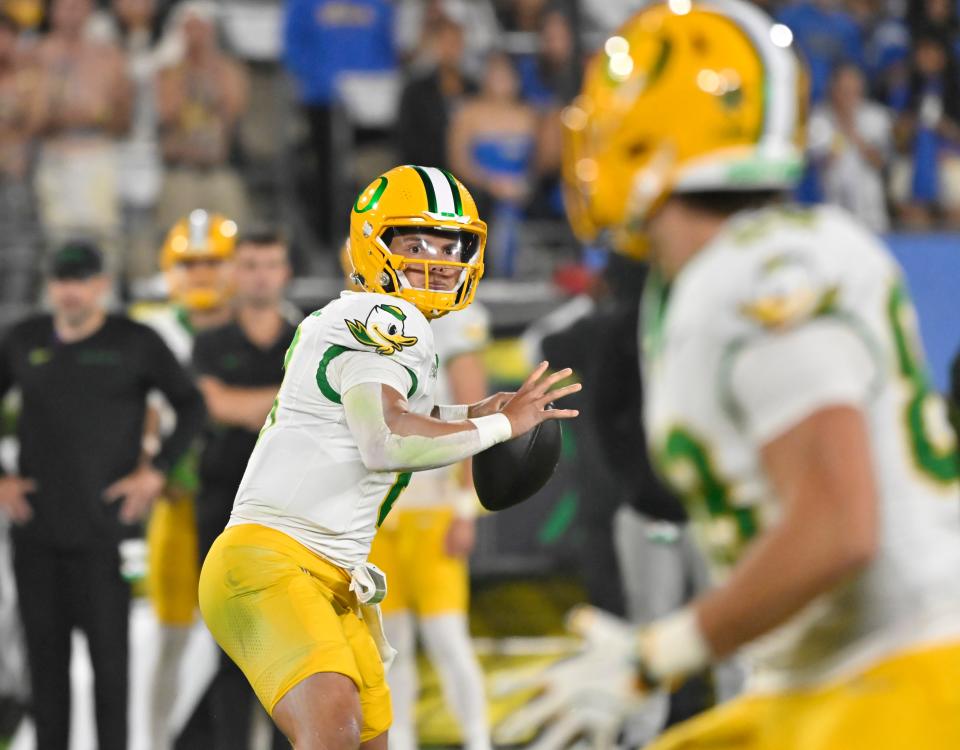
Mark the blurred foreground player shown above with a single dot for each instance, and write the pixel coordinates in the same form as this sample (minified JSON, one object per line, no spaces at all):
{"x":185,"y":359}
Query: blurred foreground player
{"x":82,"y":482}
{"x":787,"y":400}
{"x":196,"y":259}
{"x":286,"y":589}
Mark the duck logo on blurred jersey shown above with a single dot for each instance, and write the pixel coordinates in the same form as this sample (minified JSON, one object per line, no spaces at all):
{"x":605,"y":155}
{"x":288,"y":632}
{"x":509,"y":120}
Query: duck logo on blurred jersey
{"x":382,"y":330}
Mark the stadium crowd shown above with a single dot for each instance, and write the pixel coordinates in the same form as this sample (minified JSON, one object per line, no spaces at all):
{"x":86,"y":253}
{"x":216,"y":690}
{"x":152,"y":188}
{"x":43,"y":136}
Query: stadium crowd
{"x":117,"y":118}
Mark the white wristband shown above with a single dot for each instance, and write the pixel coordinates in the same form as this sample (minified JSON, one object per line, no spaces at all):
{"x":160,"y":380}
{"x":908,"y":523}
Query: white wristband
{"x":674,"y":646}
{"x":453,"y":412}
{"x":493,"y":429}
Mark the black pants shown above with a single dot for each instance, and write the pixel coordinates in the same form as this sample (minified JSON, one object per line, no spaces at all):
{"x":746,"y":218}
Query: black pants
{"x":60,"y":590}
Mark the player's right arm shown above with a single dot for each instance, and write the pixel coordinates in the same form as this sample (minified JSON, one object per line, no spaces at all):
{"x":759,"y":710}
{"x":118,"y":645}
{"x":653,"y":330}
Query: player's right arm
{"x":391,"y":437}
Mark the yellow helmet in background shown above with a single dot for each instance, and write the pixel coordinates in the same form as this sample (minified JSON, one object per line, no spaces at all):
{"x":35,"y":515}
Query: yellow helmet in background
{"x":195,"y":257}
{"x":405,"y":199}
{"x":687,"y":97}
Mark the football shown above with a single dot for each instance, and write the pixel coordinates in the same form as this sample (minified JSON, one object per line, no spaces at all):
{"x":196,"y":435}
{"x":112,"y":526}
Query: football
{"x":512,"y":471}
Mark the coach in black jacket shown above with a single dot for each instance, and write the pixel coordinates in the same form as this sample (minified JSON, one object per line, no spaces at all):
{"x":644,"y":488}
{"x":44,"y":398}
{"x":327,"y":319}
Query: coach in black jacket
{"x":82,"y":482}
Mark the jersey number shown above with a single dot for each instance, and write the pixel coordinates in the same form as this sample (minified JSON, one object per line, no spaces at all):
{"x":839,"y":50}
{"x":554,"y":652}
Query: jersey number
{"x":932,"y":443}
{"x":688,"y":462}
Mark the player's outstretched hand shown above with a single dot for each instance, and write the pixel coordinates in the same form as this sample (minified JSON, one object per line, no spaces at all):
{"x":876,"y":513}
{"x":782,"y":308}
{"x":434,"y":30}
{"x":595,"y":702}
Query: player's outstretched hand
{"x":527,"y":408}
{"x":589,"y":695}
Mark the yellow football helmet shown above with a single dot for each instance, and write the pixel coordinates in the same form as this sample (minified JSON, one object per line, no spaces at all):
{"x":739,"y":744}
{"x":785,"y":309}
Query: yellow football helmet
{"x":410,"y":199}
{"x":195,"y":257}
{"x":687,"y":97}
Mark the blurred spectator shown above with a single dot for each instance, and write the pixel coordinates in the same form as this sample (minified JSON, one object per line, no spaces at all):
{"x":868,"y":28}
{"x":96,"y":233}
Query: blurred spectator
{"x":325,"y":40}
{"x":933,"y":15}
{"x":888,"y":60}
{"x":491,"y":147}
{"x":522,"y":15}
{"x":850,"y":140}
{"x":551,"y":78}
{"x":419,"y":22}
{"x":429,"y":100}
{"x":82,"y":483}
{"x":827,"y":35}
{"x":141,"y":165}
{"x":89,"y":99}
{"x":21,"y":114}
{"x":926,"y":180}
{"x":200,"y":100}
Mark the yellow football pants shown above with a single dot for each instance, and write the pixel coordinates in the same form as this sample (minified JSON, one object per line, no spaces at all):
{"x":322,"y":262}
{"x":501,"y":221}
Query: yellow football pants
{"x":172,"y":565}
{"x":421,"y":576}
{"x":283,"y":613}
{"x":908,"y":702}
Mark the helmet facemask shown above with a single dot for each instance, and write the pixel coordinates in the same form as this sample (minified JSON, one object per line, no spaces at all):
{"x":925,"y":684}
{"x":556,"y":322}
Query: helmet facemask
{"x":435,"y":268}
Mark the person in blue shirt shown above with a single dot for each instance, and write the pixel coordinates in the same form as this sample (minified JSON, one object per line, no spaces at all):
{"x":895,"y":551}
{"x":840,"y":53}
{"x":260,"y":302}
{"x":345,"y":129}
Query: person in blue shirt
{"x":322,"y":41}
{"x":925,"y":183}
{"x":827,"y":36}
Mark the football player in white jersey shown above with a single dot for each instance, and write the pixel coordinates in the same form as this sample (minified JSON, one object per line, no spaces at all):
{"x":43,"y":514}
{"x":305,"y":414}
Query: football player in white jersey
{"x":286,"y":589}
{"x":423,"y":548}
{"x":786,"y":398}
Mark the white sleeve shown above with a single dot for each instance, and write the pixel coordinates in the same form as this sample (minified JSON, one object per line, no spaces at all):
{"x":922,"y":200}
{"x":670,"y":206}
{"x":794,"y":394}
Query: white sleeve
{"x":353,"y":368}
{"x":382,"y":450}
{"x":782,"y":378}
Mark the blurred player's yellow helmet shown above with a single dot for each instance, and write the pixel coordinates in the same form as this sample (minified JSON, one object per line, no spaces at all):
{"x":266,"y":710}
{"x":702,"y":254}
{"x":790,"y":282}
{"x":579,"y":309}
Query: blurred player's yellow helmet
{"x":199,"y":238}
{"x":687,"y":97}
{"x":405,"y":199}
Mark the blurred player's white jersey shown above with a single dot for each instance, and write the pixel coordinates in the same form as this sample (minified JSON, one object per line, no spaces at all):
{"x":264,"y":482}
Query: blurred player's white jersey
{"x":173,"y":325}
{"x":809,"y":299}
{"x":305,"y":476}
{"x":462,"y":332}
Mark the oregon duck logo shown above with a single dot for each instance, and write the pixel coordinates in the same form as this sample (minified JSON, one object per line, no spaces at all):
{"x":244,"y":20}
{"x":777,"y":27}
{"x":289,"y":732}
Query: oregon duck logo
{"x":383,"y":329}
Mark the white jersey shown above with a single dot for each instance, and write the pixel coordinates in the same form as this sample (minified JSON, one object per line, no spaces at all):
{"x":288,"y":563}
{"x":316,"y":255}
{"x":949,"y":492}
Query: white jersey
{"x":305,"y":476}
{"x":173,"y":325}
{"x":786,"y":312}
{"x":463,"y":332}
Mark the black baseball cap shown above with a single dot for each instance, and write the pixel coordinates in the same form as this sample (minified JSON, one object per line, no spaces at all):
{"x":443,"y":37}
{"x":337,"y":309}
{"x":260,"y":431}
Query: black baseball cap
{"x":78,"y":259}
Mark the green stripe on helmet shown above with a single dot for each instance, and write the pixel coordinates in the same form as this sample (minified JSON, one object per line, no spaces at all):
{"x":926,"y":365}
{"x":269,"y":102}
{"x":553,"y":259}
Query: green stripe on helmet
{"x":455,"y":189}
{"x":428,"y":187}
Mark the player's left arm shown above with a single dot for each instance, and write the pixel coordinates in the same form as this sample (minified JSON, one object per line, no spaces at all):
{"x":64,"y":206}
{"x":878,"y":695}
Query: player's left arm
{"x":821,"y":470}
